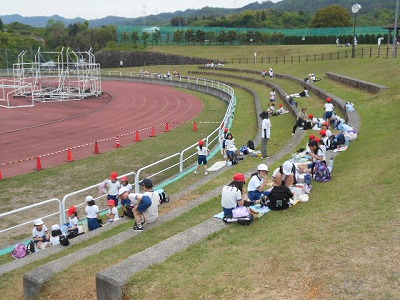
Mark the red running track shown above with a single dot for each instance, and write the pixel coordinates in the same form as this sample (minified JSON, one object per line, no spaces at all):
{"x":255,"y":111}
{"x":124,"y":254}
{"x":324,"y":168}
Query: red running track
{"x":49,"y":129}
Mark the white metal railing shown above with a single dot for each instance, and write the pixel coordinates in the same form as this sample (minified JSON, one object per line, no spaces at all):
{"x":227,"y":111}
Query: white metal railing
{"x":177,"y":160}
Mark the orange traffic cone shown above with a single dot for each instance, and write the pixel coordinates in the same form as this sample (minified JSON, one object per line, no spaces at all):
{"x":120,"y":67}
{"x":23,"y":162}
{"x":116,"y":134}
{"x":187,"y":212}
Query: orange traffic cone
{"x":117,"y":144}
{"x":1,"y":175}
{"x":96,"y":148}
{"x":69,"y":155}
{"x":153,"y":132}
{"x":137,"y":137}
{"x":166,"y":127}
{"x":38,"y":164}
{"x":194,"y":126}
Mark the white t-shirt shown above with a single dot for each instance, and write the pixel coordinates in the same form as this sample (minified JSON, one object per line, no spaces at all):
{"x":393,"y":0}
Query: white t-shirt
{"x":266,"y":124}
{"x":152,"y":212}
{"x":320,"y":153}
{"x":230,"y":196}
{"x":114,"y":211}
{"x":92,"y":211}
{"x":254,"y":183}
{"x":272,"y":96}
{"x":329,"y":106}
{"x":230,"y":144}
{"x":55,"y":240}
{"x":37,"y":233}
{"x":73,"y":222}
{"x":112,"y":187}
{"x":202,"y":151}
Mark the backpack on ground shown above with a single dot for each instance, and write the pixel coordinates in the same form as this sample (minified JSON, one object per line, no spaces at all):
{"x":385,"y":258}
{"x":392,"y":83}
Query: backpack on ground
{"x":128,"y":211}
{"x":279,"y":198}
{"x":250,"y":144}
{"x":31,"y":247}
{"x":321,"y":172}
{"x":163,"y":196}
{"x":64,"y":240}
{"x":19,"y":251}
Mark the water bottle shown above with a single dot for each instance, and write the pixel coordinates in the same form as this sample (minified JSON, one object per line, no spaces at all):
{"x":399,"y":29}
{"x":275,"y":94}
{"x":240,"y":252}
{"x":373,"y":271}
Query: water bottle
{"x":330,"y":166}
{"x":307,"y":179}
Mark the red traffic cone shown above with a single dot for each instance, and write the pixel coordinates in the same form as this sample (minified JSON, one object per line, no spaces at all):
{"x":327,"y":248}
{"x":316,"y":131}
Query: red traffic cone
{"x":194,"y":126}
{"x":137,"y":137}
{"x":38,"y":164}
{"x":96,"y":148}
{"x":153,"y":132}
{"x":117,"y":144}
{"x":1,"y":175}
{"x":166,"y":127}
{"x":69,"y":155}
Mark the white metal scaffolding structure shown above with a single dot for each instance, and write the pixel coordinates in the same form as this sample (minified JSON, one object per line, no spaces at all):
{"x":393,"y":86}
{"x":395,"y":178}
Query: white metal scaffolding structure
{"x":52,"y":76}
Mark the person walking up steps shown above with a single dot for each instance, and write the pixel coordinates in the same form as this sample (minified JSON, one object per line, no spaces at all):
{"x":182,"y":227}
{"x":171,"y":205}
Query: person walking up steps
{"x":202,"y":153}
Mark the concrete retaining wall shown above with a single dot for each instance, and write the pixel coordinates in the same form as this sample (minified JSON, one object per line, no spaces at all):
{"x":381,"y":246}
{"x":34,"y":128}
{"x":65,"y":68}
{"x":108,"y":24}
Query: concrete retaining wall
{"x":357,"y":83}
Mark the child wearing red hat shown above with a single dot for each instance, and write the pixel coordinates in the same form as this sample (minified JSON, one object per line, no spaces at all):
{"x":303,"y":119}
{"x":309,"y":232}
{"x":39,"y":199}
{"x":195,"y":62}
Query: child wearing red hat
{"x":112,"y":214}
{"x":329,"y":109}
{"x":111,"y":186}
{"x":233,"y":195}
{"x":72,"y":222}
{"x":202,"y":153}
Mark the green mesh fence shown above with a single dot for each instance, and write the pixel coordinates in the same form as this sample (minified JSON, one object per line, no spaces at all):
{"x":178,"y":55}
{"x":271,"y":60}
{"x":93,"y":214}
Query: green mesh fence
{"x":213,"y":34}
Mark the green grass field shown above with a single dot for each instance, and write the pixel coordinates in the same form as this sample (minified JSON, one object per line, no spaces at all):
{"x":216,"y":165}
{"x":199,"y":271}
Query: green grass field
{"x":342,"y":244}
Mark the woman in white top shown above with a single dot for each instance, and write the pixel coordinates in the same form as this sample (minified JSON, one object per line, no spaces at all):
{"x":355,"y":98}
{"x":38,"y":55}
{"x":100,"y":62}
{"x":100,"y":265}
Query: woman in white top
{"x":233,"y":194}
{"x":202,"y":153}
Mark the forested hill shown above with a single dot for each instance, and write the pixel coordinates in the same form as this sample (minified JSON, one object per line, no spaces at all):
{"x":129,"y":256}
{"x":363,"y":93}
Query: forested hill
{"x":373,"y":13}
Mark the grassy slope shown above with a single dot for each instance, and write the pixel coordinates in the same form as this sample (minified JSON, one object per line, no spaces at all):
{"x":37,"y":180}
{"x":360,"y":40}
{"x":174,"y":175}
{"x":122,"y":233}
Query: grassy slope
{"x":339,"y":245}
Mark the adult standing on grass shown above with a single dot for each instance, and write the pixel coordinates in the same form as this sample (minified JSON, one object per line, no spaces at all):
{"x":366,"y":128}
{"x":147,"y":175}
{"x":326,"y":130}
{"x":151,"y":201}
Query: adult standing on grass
{"x":202,"y":153}
{"x":265,"y":133}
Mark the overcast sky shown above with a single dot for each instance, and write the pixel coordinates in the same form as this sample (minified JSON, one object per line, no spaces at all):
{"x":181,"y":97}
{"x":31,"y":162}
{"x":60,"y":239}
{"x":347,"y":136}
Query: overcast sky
{"x":94,"y":9}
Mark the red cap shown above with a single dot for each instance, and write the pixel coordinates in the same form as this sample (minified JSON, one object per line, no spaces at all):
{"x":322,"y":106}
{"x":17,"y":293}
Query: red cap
{"x":312,"y":137}
{"x":310,"y":116}
{"x":325,"y":124}
{"x":71,"y":210}
{"x":125,"y":178}
{"x":110,"y":202}
{"x":114,"y":175}
{"x":322,"y":132}
{"x":281,"y":105}
{"x":318,"y":140}
{"x":328,"y":99}
{"x":201,"y":143}
{"x":239,"y":177}
{"x":226,"y":129}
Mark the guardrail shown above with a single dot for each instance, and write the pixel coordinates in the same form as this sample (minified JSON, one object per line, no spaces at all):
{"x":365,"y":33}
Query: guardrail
{"x":179,"y":160}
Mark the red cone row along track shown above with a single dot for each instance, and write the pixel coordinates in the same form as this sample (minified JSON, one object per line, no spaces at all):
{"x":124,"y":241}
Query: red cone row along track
{"x":125,"y":109}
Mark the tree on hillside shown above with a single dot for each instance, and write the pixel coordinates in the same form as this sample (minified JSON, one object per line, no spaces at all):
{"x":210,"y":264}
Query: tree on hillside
{"x":332,"y":16}
{"x":1,"y":24}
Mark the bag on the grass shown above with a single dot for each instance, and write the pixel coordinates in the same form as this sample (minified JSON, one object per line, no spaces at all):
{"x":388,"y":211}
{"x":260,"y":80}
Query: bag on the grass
{"x":163,"y":196}
{"x":234,"y":158}
{"x":250,"y":144}
{"x":279,"y":197}
{"x":240,"y":211}
{"x":321,"y":172}
{"x":64,"y":240}
{"x":19,"y":251}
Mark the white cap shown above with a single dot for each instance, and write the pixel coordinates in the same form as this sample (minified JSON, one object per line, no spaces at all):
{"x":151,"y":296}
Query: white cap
{"x":287,"y":167}
{"x":38,"y":222}
{"x":89,"y":198}
{"x":122,"y":190}
{"x":55,"y":227}
{"x":262,"y":167}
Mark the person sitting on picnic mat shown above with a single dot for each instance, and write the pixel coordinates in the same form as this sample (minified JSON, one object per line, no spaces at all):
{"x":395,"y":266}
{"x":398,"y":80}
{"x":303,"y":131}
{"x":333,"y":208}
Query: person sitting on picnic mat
{"x":233,"y":195}
{"x":285,"y":174}
{"x":258,"y":182}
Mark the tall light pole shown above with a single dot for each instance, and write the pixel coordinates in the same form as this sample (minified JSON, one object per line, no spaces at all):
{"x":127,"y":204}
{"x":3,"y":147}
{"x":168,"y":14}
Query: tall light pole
{"x":395,"y":31}
{"x":355,"y":9}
